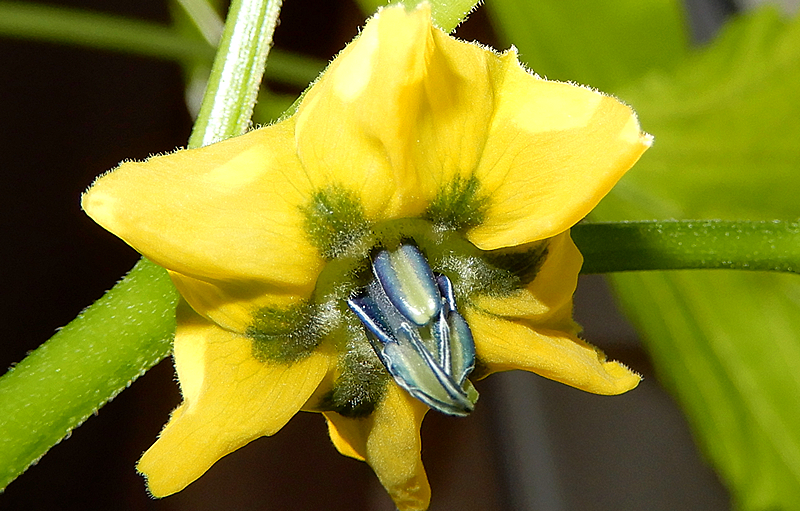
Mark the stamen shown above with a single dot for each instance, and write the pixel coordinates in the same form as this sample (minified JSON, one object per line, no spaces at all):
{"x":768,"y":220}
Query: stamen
{"x":408,"y":282}
{"x":411,"y":320}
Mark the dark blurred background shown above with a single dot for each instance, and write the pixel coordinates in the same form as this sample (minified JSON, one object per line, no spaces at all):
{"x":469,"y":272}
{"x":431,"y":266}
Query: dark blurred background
{"x":68,"y":114}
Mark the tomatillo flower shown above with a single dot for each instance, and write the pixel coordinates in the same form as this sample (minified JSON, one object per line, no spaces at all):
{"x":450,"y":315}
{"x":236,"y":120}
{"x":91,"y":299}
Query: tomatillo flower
{"x":405,"y":231}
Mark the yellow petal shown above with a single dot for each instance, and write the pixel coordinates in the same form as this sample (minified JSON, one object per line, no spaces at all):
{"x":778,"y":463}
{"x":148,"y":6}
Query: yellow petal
{"x":228,"y":212}
{"x":554,"y":150}
{"x":232,"y":304}
{"x":556,"y":354}
{"x":549,"y":292}
{"x":418,"y":109}
{"x":355,"y":125}
{"x":340,"y":442}
{"x":230,"y":399}
{"x":455,"y":113}
{"x":389,"y":441}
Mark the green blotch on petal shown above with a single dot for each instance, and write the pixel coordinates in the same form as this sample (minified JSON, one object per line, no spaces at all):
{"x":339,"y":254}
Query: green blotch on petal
{"x":335,"y":222}
{"x":458,"y":205}
{"x":340,"y":278}
{"x":285,"y":335}
{"x":524,"y":264}
{"x":361,"y":382}
{"x":472,"y":275}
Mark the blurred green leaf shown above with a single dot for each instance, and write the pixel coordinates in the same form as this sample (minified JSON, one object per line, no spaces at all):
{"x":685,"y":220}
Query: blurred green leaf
{"x":727,"y":129}
{"x":182,"y":43}
{"x":98,"y":30}
{"x":602,"y":44}
{"x":726,"y":343}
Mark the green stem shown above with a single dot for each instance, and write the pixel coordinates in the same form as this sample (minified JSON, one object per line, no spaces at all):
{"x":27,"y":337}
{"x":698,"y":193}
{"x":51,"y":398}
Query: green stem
{"x":85,"y":364}
{"x":689,"y":244}
{"x":245,"y":44}
{"x":130,"y":329}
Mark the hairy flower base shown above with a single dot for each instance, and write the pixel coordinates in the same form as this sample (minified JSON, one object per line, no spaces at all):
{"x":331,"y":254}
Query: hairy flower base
{"x":328,"y":319}
{"x":409,"y":138}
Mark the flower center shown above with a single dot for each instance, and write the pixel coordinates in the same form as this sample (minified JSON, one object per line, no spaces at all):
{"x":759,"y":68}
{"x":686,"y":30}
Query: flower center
{"x":412,"y":322}
{"x":386,"y":301}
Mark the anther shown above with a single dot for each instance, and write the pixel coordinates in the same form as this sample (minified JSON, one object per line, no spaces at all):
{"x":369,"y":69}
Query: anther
{"x":411,"y":320}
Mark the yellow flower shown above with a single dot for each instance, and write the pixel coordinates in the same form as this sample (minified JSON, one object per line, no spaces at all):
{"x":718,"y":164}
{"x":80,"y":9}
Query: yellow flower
{"x":415,"y":154}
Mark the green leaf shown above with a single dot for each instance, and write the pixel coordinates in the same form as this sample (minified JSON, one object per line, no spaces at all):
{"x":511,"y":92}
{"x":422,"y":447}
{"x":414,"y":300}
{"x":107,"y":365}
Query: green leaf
{"x":602,"y":44}
{"x":98,"y":30}
{"x":727,"y":131}
{"x":726,"y":343}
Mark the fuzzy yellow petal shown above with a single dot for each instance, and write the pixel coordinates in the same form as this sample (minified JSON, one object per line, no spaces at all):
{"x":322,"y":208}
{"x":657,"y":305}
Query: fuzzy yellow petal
{"x":231,"y":304}
{"x":230,"y":399}
{"x":405,"y":123}
{"x":340,"y":442}
{"x":556,"y":354}
{"x":554,"y":150}
{"x":549,"y":292}
{"x":355,"y":126}
{"x":225,"y":212}
{"x":455,"y":113}
{"x":389,"y":441}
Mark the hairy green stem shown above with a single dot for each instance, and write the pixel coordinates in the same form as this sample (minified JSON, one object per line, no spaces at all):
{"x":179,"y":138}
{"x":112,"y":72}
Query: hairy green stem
{"x":85,"y":364}
{"x":245,"y":44}
{"x":687,"y":244}
{"x":130,"y":329}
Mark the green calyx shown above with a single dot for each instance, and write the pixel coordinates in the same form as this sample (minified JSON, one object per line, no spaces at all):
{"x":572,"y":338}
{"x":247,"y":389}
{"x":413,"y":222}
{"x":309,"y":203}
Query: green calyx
{"x":335,"y":222}
{"x":337,"y":226}
{"x":288,"y":334}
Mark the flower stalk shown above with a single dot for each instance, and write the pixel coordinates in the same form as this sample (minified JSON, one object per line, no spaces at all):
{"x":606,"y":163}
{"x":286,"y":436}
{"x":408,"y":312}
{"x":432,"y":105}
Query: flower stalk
{"x":237,"y":71}
{"x":689,"y":245}
{"x":87,"y":363}
{"x":130,"y":329}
